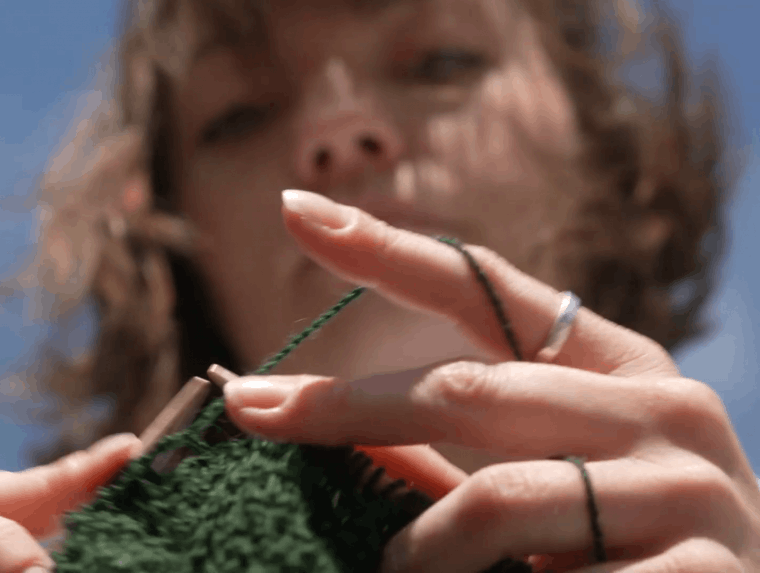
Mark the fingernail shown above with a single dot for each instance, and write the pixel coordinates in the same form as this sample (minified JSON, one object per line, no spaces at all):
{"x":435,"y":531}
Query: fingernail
{"x":259,"y":394}
{"x":37,"y":569}
{"x":113,"y":443}
{"x":317,"y":209}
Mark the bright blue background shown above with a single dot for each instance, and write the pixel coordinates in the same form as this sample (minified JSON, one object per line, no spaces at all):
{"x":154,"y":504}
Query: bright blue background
{"x":49,"y":49}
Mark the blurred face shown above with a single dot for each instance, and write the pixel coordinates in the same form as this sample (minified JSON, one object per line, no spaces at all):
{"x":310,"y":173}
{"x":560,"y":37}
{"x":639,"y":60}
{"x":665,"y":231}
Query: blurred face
{"x":430,"y":114}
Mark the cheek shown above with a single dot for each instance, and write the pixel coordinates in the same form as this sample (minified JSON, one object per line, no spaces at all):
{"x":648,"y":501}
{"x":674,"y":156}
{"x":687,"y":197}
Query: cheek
{"x":530,"y":93}
{"x":489,"y":148}
{"x":236,"y":207}
{"x":233,"y":192}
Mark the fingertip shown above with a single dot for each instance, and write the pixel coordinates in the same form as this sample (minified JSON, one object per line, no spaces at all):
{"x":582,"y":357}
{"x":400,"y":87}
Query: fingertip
{"x":319,"y":212}
{"x":109,"y":446}
{"x":136,"y":449}
{"x":39,"y":569}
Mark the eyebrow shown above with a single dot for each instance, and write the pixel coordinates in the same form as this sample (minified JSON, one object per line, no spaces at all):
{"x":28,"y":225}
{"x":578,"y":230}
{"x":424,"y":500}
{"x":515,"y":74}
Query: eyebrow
{"x":216,"y":40}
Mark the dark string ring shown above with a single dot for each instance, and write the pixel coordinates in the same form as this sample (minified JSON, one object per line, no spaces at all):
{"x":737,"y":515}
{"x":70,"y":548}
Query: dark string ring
{"x":600,"y":554}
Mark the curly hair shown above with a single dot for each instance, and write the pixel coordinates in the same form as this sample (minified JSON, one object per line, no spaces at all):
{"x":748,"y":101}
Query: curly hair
{"x":661,"y":166}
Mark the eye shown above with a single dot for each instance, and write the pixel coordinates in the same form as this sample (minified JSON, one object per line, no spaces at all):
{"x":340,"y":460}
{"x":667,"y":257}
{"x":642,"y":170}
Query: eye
{"x":238,"y":121}
{"x":448,"y":65}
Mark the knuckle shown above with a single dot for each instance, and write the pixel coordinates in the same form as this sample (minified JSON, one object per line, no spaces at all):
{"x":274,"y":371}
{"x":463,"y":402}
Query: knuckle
{"x":489,"y":493}
{"x":709,"y":496}
{"x":691,"y":415}
{"x":386,"y":239}
{"x":701,"y":554}
{"x":677,"y":403}
{"x":63,"y":470}
{"x":71,"y":463}
{"x":706,"y":481}
{"x":464,"y":385}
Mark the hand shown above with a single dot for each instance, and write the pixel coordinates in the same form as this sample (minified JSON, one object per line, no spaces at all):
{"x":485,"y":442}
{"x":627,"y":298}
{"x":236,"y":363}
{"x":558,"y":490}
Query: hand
{"x":33,"y":501}
{"x":674,"y":489}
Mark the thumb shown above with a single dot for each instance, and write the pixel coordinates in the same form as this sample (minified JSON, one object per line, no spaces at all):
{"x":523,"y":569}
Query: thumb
{"x":37,"y":497}
{"x":19,"y":552}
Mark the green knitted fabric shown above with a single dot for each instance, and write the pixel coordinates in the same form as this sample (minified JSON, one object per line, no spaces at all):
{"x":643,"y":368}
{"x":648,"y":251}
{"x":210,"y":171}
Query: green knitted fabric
{"x":243,"y":505}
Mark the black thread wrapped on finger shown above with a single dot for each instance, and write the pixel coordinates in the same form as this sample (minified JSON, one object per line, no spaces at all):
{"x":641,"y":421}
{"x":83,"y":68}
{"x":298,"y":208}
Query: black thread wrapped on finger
{"x":504,"y":322}
{"x":249,"y":504}
{"x":600,"y":553}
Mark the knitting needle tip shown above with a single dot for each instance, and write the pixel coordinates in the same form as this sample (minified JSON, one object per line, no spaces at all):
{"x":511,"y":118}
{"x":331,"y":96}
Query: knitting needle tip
{"x":177,"y":413}
{"x":220,"y":375}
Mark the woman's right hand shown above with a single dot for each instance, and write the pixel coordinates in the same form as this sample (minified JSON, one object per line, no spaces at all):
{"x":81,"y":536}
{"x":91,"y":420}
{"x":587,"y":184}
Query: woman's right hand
{"x":673,"y":489}
{"x":33,"y":501}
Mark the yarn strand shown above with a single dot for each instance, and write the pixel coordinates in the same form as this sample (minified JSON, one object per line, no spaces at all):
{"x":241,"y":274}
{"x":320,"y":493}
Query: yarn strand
{"x":311,"y":329}
{"x":247,"y":504}
{"x":504,"y":322}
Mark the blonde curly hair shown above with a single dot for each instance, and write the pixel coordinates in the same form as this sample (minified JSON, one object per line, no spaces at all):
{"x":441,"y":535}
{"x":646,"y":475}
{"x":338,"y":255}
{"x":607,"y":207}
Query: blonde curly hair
{"x":114,"y":237}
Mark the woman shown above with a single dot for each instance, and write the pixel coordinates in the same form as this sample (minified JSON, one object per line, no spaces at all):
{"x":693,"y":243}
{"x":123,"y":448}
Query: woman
{"x":491,"y":121}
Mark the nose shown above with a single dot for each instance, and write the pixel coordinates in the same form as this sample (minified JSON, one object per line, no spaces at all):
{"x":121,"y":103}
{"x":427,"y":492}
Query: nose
{"x":342,"y":148}
{"x":343,"y":135}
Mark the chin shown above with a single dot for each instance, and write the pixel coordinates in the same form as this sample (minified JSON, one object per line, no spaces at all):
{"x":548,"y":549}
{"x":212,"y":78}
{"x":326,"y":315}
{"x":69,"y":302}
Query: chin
{"x":373,"y":334}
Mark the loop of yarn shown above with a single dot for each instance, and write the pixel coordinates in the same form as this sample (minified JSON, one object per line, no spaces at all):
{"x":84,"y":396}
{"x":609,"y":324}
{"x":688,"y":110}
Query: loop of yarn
{"x":247,"y":505}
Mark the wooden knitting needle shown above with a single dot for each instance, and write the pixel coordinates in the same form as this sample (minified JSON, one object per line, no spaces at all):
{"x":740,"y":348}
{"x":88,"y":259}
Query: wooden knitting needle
{"x":417,"y":465}
{"x":220,"y":375}
{"x":177,"y":413}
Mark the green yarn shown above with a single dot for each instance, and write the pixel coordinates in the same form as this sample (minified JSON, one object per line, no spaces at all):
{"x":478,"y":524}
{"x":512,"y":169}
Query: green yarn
{"x":248,"y":505}
{"x":244,"y":505}
{"x":506,"y":325}
{"x":313,"y":327}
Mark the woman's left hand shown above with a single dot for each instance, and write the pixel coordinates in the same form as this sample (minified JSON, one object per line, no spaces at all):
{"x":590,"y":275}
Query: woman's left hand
{"x":674,"y":489}
{"x":33,"y":501}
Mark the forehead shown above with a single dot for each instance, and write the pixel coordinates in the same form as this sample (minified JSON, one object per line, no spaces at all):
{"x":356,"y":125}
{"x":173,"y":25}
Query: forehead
{"x":219,"y":24}
{"x":228,"y":21}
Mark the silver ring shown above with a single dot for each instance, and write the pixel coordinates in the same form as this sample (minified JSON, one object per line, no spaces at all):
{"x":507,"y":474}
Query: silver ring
{"x":563,"y":324}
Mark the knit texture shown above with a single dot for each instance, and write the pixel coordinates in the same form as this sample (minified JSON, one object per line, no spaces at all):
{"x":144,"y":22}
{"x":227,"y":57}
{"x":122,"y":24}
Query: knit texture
{"x":241,"y":506}
{"x":244,"y":505}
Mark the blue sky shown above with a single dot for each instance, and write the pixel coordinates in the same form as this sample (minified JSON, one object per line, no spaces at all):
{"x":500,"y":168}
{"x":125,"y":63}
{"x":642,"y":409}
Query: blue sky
{"x":51,"y":48}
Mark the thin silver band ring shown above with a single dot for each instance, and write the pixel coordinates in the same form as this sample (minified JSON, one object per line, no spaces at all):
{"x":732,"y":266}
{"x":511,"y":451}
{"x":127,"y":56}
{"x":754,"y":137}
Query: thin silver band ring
{"x":561,"y":328}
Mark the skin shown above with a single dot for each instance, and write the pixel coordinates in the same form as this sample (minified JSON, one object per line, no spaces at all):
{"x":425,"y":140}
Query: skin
{"x":472,"y":142}
{"x":34,"y":501}
{"x":674,"y":489}
{"x":471,"y":139}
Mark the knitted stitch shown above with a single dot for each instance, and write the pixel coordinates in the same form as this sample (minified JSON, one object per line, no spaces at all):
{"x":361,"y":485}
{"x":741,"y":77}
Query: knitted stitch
{"x":246,"y":504}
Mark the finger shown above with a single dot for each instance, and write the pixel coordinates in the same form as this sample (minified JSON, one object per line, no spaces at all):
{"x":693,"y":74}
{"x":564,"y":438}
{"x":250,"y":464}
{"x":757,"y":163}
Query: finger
{"x":37,"y":497}
{"x":423,"y":274}
{"x":691,"y":556}
{"x":563,"y":410}
{"x":19,"y":552}
{"x":419,"y":465}
{"x":531,"y":508}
